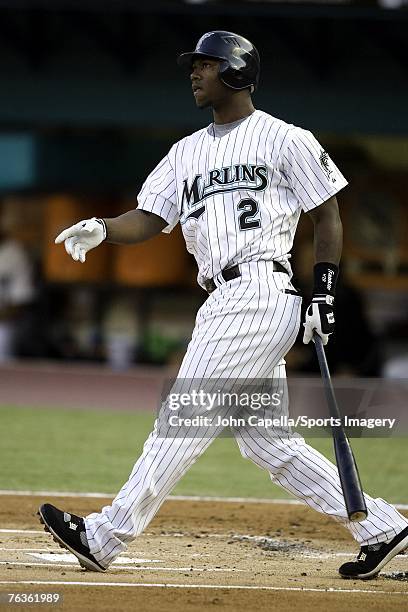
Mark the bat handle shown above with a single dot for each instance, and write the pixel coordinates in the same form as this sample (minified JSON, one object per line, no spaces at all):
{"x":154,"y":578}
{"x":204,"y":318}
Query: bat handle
{"x":319,"y":345}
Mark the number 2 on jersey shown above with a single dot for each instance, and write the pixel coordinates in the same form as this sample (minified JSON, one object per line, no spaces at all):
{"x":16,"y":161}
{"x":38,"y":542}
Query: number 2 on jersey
{"x":249,"y":209}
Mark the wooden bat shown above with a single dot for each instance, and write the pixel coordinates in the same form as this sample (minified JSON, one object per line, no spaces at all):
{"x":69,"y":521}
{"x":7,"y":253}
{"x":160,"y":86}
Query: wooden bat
{"x":346,"y":464}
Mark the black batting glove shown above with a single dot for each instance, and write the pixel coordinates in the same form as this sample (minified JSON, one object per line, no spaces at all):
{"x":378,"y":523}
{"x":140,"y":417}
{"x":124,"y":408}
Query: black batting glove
{"x":319,"y":316}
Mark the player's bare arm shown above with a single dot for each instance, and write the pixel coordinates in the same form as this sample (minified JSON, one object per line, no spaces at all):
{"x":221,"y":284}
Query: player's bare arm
{"x":130,"y":228}
{"x":133,"y":226}
{"x":328,"y":242}
{"x":328,"y":232}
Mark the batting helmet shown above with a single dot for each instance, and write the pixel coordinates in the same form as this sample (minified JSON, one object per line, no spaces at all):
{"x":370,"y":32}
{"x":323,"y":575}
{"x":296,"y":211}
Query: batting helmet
{"x":240,"y":64}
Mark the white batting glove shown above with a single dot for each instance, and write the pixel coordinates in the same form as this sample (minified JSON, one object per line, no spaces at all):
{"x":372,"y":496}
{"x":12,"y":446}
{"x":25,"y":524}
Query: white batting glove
{"x":319,"y":318}
{"x":82,"y":237}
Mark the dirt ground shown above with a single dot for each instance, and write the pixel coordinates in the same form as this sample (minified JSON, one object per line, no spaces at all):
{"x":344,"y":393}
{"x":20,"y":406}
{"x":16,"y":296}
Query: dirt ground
{"x":198,"y":555}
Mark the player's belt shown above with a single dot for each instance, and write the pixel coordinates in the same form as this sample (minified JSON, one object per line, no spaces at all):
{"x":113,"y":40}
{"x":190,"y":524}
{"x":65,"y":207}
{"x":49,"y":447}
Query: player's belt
{"x":234,"y":272}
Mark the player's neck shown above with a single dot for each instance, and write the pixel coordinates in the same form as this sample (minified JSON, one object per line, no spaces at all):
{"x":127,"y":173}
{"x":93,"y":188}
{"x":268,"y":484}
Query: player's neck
{"x":235,"y":110}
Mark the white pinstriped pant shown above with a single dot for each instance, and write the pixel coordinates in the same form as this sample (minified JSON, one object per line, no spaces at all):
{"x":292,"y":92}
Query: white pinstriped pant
{"x":242,"y":331}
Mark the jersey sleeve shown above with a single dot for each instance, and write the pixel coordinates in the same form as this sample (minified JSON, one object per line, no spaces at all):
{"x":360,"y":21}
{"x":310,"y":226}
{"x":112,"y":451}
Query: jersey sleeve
{"x":158,"y":194}
{"x":311,"y":174}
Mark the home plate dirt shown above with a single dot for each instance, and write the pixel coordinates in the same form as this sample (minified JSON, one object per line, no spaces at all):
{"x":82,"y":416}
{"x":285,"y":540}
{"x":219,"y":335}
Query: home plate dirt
{"x":198,"y":555}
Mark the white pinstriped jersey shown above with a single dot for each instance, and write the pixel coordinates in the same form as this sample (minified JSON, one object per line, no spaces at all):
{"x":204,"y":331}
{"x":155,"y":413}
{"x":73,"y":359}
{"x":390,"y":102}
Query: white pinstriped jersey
{"x":238,"y":190}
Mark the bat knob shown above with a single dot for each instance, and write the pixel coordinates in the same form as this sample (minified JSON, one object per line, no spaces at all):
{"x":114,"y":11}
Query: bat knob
{"x":358,"y":516}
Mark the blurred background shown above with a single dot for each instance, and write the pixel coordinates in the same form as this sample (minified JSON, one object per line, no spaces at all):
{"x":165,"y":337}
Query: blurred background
{"x":91,"y":99}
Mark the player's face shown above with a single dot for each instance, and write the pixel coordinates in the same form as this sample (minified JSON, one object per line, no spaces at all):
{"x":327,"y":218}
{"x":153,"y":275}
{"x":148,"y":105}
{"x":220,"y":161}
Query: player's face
{"x":207,"y":88}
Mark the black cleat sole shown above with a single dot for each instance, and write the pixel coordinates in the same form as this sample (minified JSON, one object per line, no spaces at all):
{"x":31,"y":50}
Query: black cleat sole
{"x":345,"y":577}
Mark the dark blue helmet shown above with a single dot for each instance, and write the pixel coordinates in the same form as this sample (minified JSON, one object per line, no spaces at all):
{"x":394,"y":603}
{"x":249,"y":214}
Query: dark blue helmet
{"x":240,"y":64}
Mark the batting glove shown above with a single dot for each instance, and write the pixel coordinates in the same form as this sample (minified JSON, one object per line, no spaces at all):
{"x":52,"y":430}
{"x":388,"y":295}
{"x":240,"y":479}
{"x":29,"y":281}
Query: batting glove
{"x":319,"y":316}
{"x":82,"y":237}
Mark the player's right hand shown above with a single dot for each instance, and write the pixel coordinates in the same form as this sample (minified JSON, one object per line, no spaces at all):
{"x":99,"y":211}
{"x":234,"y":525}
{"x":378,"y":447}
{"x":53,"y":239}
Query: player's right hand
{"x":82,"y":237}
{"x":319,"y":318}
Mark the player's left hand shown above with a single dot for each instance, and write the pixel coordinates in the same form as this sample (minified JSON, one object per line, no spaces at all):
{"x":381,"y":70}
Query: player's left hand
{"x":82,"y":237}
{"x":319,"y":318}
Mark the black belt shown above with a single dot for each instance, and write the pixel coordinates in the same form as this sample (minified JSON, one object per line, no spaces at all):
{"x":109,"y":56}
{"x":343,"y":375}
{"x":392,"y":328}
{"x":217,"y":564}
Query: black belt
{"x":234,"y":272}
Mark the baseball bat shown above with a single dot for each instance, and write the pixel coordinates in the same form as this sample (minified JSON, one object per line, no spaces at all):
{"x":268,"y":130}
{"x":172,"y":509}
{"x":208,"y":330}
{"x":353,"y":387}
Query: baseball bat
{"x":346,"y":463}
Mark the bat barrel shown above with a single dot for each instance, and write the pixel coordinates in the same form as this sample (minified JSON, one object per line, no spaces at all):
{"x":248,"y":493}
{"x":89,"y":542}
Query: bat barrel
{"x":349,"y":477}
{"x":346,"y":464}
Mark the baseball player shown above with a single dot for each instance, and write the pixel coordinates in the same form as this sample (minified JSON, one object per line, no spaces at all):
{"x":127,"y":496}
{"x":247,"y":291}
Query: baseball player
{"x":237,"y":187}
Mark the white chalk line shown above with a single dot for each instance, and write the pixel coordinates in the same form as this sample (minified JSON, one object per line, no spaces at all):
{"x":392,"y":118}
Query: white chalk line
{"x":168,"y":585}
{"x":57,"y":551}
{"x":23,"y":531}
{"x":67,"y":557}
{"x":309,"y":555}
{"x":54,"y":493}
{"x":192,"y":498}
{"x":135,"y":568}
{"x":145,"y":568}
{"x":145,"y":533}
{"x":46,"y":550}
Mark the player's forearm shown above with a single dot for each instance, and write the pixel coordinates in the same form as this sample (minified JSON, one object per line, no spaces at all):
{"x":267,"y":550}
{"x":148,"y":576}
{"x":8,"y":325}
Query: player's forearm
{"x":133,"y":227}
{"x":328,"y":240}
{"x":328,"y":233}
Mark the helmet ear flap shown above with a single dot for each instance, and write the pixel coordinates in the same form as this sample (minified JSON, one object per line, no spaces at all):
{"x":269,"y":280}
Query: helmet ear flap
{"x":232,"y":78}
{"x":223,"y":67}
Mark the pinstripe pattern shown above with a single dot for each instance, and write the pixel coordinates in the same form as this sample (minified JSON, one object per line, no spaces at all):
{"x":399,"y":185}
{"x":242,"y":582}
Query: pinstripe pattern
{"x":242,"y":331}
{"x":297,"y":181}
{"x":246,"y":326}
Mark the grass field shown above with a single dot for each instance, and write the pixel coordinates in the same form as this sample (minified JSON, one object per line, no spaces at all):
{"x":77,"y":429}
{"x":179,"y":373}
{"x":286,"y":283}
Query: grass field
{"x":95,"y":451}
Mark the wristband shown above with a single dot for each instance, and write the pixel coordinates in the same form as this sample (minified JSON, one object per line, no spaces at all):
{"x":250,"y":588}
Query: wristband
{"x":325,"y":278}
{"x":105,"y":229}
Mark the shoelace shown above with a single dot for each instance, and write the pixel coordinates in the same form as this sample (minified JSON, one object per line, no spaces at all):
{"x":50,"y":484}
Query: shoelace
{"x":74,"y":525}
{"x":374,"y":547}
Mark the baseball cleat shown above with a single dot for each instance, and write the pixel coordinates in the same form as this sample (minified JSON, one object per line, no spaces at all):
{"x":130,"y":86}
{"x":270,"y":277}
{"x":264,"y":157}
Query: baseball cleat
{"x":371,"y":559}
{"x":68,"y":530}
